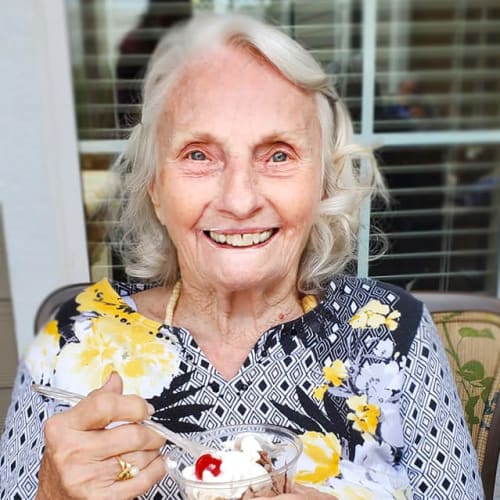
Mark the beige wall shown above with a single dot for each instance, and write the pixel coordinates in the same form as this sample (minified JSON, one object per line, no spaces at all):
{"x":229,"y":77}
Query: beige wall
{"x":8,"y":351}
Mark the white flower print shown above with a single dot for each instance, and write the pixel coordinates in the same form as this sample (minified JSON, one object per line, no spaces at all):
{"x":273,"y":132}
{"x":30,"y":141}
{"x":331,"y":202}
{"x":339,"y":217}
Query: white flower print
{"x":390,"y":428}
{"x":384,"y":349}
{"x":372,"y":454}
{"x":41,"y":356}
{"x":379,"y":381}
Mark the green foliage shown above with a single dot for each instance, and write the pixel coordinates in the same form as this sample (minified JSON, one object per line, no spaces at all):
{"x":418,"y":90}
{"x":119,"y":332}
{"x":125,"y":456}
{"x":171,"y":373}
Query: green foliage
{"x":471,"y":373}
{"x":472,"y":370}
{"x":470,"y":407}
{"x":485,"y":333}
{"x":487,"y":383}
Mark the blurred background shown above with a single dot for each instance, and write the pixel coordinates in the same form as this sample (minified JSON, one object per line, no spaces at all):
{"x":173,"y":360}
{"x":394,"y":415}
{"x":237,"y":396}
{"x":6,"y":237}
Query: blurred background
{"x":436,"y":68}
{"x":421,"y":79}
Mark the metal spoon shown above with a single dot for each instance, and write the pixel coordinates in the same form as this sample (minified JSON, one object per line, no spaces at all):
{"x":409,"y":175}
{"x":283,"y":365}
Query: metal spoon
{"x":72,"y":398}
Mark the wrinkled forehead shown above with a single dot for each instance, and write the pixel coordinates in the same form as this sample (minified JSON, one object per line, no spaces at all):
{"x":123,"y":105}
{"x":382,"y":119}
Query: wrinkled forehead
{"x":236,"y":78}
{"x":221,"y":59}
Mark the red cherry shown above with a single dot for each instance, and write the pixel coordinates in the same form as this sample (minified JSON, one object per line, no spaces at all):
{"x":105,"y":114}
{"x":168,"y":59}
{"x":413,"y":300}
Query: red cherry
{"x":207,"y":462}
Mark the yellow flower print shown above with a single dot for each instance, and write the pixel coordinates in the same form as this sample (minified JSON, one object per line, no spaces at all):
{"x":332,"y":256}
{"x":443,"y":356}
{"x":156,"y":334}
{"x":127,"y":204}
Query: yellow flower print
{"x":375,"y":314}
{"x":324,"y":451}
{"x":391,"y":322}
{"x":102,"y":298}
{"x":145,"y":363}
{"x":319,"y":392}
{"x":365,"y":415}
{"x":41,"y":356}
{"x":336,"y":373}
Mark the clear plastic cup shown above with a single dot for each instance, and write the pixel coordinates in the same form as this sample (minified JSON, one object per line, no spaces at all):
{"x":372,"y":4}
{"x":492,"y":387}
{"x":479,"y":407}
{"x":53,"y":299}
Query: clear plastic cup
{"x":287,"y":449}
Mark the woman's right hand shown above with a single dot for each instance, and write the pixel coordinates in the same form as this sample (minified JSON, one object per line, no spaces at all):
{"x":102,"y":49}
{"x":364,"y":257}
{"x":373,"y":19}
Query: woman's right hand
{"x":80,"y":456}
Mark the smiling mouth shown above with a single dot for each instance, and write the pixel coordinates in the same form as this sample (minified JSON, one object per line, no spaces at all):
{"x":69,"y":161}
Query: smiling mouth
{"x":240,"y":239}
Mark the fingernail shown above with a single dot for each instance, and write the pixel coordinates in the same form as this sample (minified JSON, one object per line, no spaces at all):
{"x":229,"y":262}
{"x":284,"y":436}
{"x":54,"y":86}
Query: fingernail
{"x":151,"y":409}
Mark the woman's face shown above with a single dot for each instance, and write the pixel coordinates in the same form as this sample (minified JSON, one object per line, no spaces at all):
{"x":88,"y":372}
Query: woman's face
{"x":239,"y":181}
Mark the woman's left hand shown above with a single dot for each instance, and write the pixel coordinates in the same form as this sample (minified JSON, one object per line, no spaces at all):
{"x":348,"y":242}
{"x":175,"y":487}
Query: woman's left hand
{"x":303,"y":493}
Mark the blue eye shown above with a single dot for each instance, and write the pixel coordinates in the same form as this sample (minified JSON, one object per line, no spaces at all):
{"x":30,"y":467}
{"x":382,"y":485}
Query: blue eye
{"x":279,"y":157}
{"x":197,"y":156}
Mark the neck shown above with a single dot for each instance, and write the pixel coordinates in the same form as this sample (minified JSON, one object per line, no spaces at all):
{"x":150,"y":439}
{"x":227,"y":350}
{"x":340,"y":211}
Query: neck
{"x":234,"y":317}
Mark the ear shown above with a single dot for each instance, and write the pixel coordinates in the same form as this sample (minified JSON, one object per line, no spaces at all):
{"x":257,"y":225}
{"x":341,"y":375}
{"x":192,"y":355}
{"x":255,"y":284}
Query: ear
{"x":153,"y":192}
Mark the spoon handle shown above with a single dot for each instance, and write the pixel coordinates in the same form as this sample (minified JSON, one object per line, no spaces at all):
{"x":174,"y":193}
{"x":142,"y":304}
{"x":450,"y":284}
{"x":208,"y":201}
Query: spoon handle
{"x":73,"y":398}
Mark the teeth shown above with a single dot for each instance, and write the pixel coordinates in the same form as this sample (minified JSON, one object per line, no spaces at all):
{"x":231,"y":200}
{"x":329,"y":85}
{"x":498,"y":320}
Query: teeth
{"x":241,"y":240}
{"x":219,"y":238}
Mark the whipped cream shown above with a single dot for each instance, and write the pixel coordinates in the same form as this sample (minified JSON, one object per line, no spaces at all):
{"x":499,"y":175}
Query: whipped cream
{"x":235,"y":465}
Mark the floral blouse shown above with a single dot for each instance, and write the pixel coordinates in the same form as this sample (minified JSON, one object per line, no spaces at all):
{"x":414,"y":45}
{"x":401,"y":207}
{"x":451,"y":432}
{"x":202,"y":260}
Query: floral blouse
{"x":362,"y":379}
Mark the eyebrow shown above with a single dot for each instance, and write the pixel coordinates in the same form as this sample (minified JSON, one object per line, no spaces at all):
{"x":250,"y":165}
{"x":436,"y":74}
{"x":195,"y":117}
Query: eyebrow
{"x":192,"y":136}
{"x":284,"y":136}
{"x":271,"y":138}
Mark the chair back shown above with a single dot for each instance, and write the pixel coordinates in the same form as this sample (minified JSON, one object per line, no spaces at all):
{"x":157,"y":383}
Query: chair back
{"x":54,"y":300}
{"x":469,"y":326}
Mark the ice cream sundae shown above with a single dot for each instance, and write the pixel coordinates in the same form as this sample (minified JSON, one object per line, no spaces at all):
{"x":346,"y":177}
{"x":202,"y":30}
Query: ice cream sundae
{"x":258,"y":462}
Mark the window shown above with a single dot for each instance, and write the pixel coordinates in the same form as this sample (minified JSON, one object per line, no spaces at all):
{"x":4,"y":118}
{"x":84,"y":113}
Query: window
{"x":420,"y":77}
{"x":443,"y":223}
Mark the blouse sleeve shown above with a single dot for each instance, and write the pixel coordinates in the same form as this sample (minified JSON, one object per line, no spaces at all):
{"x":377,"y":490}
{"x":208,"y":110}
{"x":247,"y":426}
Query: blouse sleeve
{"x":439,"y":456}
{"x":22,"y":442}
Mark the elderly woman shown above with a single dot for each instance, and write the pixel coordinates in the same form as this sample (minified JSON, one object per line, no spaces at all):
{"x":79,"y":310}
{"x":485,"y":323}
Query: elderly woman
{"x":241,"y":192}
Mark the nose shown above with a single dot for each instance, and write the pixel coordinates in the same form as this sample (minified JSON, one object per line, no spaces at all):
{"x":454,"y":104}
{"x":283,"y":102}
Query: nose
{"x":240,"y":196}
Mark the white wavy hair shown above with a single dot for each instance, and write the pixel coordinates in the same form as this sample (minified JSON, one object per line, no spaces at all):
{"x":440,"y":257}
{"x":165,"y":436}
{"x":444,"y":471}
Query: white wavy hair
{"x":349,"y":171}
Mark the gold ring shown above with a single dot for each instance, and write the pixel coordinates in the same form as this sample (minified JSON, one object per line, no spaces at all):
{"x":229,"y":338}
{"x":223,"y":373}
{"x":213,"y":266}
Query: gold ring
{"x":127,"y":470}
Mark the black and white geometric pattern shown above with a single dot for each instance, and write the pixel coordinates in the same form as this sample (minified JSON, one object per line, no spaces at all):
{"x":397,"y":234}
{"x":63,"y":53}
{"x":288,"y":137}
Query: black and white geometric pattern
{"x":439,"y":457}
{"x":286,"y":364}
{"x":22,"y":442}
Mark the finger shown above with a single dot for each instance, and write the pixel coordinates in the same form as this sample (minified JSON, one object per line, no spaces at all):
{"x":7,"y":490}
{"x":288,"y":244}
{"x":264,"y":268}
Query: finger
{"x":141,"y":459}
{"x":114,"y":383}
{"x":124,"y":438}
{"x":141,"y":483}
{"x":102,"y":407}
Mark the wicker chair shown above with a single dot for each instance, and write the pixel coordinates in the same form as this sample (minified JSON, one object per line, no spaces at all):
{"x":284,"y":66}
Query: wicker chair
{"x":469,"y":326}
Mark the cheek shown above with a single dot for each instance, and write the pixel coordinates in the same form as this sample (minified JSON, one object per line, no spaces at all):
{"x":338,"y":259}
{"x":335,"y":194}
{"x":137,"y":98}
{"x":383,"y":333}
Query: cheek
{"x":302,"y":203}
{"x":169,"y":202}
{"x":183,"y":203}
{"x":178,"y":212}
{"x":298,"y":212}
